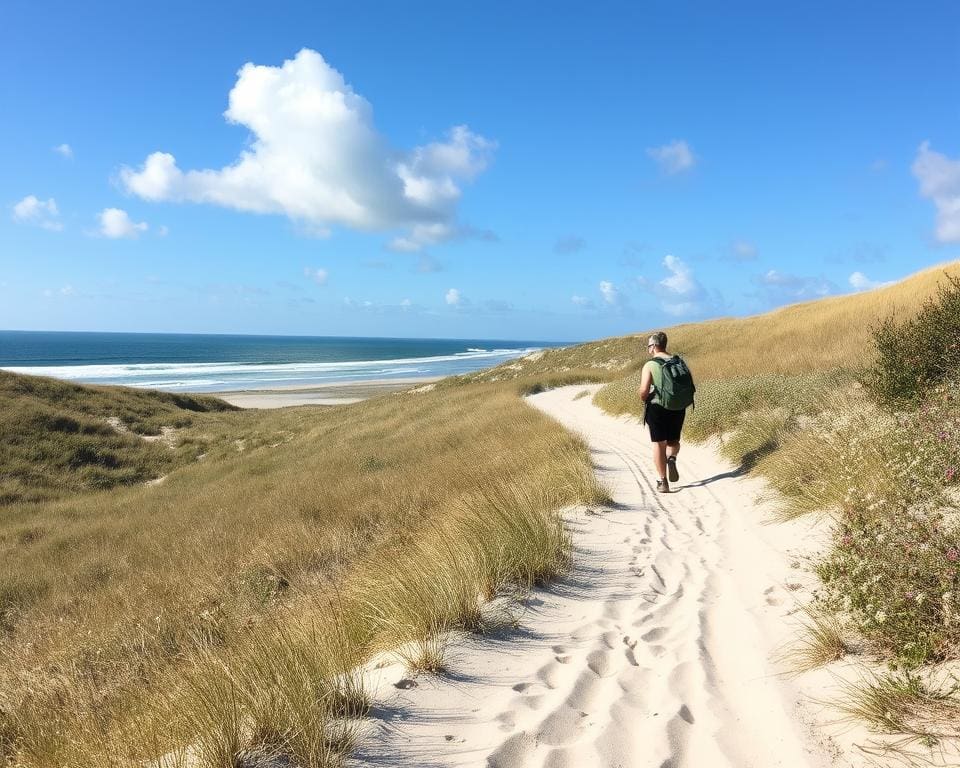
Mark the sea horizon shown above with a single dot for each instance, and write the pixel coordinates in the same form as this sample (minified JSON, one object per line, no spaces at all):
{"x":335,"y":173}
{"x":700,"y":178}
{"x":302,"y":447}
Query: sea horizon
{"x":202,"y":362}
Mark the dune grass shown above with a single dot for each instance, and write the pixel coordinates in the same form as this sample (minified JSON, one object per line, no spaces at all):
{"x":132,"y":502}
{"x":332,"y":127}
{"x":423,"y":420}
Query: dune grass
{"x":214,"y":619}
{"x":139,"y":620}
{"x":58,"y":438}
{"x":822,"y":639}
{"x":882,"y":462}
{"x":828,"y":334}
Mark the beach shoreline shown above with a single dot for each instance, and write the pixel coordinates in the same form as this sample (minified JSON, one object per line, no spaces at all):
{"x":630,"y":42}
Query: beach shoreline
{"x":334,"y":393}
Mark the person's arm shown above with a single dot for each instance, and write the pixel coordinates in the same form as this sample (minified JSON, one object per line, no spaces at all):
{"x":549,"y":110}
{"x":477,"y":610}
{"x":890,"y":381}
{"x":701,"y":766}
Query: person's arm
{"x":646,"y":382}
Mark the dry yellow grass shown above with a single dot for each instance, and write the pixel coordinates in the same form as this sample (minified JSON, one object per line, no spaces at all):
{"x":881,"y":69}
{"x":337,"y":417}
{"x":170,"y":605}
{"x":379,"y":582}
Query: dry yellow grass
{"x":827,"y":333}
{"x":140,"y":616}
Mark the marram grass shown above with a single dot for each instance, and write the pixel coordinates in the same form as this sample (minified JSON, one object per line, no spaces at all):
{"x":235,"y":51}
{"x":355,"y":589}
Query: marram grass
{"x":218,"y":615}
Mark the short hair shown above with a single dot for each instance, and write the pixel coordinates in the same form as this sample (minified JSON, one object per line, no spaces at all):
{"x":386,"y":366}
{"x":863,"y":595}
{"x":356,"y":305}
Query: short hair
{"x":660,"y":339}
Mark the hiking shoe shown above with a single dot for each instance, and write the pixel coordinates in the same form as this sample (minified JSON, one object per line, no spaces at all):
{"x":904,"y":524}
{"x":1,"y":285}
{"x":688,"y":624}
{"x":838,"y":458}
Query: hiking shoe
{"x":663,"y":486}
{"x":672,"y":469}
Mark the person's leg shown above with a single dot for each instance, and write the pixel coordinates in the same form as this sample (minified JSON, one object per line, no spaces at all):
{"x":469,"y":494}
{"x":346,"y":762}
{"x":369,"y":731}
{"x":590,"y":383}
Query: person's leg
{"x":673,"y":448}
{"x":660,"y":458}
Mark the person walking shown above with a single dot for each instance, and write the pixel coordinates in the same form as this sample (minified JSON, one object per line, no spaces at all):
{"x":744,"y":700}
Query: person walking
{"x":666,"y":387}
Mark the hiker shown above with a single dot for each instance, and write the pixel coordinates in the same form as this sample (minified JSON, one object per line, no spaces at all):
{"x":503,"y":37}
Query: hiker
{"x":666,"y":386}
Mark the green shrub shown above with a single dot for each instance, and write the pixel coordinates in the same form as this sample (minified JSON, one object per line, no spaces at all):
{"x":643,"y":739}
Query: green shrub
{"x":895,"y":562}
{"x":915,"y":354}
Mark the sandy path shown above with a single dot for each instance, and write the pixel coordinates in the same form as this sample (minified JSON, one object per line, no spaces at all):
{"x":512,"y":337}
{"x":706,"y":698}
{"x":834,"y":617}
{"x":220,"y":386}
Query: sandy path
{"x":653,"y":651}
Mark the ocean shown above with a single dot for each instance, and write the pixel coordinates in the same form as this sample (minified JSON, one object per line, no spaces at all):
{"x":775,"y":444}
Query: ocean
{"x":221,"y":363}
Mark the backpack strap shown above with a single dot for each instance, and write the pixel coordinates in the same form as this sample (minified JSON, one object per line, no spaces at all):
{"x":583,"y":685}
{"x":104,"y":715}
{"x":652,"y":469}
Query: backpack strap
{"x":655,"y":391}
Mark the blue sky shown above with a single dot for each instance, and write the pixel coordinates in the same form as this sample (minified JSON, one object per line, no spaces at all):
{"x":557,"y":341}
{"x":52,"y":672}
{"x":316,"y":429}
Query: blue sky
{"x":488,"y":170}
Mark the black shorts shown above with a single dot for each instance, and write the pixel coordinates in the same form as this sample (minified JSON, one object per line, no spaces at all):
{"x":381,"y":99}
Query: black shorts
{"x":664,"y":424}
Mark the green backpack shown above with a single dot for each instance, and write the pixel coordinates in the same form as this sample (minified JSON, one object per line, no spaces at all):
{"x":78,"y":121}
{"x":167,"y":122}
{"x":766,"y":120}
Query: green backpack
{"x":676,"y":388}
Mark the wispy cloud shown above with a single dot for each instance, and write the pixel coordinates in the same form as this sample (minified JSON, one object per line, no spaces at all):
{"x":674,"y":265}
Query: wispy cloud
{"x":64,"y":292}
{"x":317,"y":275}
{"x":674,"y":157}
{"x":305,"y":115}
{"x":64,"y":150}
{"x":39,"y":213}
{"x":743,"y":250}
{"x":426,"y":264}
{"x":782,"y":287}
{"x":939,"y":178}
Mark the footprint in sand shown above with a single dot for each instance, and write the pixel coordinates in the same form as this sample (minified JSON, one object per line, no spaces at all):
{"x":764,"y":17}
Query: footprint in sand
{"x":655,"y":634}
{"x":533,"y":702}
{"x":610,"y":639}
{"x":513,"y":752}
{"x":562,"y":726}
{"x":585,"y":692}
{"x":405,"y":684}
{"x":521,"y":687}
{"x":507,"y":720}
{"x":612,"y":611}
{"x":551,"y":674}
{"x":565,"y":659}
{"x":635,"y":683}
{"x":772,"y":598}
{"x":600,"y":663}
{"x":583,"y":633}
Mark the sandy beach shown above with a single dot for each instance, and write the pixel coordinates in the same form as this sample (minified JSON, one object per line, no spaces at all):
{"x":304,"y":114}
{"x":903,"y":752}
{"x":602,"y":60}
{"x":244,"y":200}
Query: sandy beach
{"x":340,"y":393}
{"x":656,"y":649}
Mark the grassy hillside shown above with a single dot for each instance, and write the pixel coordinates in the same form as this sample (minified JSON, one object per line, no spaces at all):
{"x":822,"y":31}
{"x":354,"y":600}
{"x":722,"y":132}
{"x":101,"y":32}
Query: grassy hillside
{"x":324,"y":533}
{"x":831,"y":333}
{"x":58,"y":438}
{"x":222,"y":606}
{"x":881,"y":464}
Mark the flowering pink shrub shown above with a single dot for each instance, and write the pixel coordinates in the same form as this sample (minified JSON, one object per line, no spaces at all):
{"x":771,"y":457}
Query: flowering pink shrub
{"x":894,"y":567}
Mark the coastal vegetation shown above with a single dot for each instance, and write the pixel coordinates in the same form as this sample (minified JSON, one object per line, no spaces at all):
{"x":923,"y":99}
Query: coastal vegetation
{"x":870,"y":439}
{"x":206,"y":598}
{"x":58,"y":438}
{"x":216,"y":615}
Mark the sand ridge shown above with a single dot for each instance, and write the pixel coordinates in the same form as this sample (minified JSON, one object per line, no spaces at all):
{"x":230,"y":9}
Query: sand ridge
{"x":654,"y":650}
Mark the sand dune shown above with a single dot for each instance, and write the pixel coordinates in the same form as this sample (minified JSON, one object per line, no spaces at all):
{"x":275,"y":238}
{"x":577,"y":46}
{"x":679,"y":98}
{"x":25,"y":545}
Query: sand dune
{"x":653,"y":651}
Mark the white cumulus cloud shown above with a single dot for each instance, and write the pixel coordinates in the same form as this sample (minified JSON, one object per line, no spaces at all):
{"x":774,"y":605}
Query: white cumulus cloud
{"x":674,"y":157}
{"x":41,"y":213}
{"x":680,"y":294}
{"x":453,"y":297}
{"x":116,"y":223}
{"x":319,"y":276}
{"x":860,"y":282}
{"x":316,"y":157}
{"x":939,"y":178}
{"x":64,"y":149}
